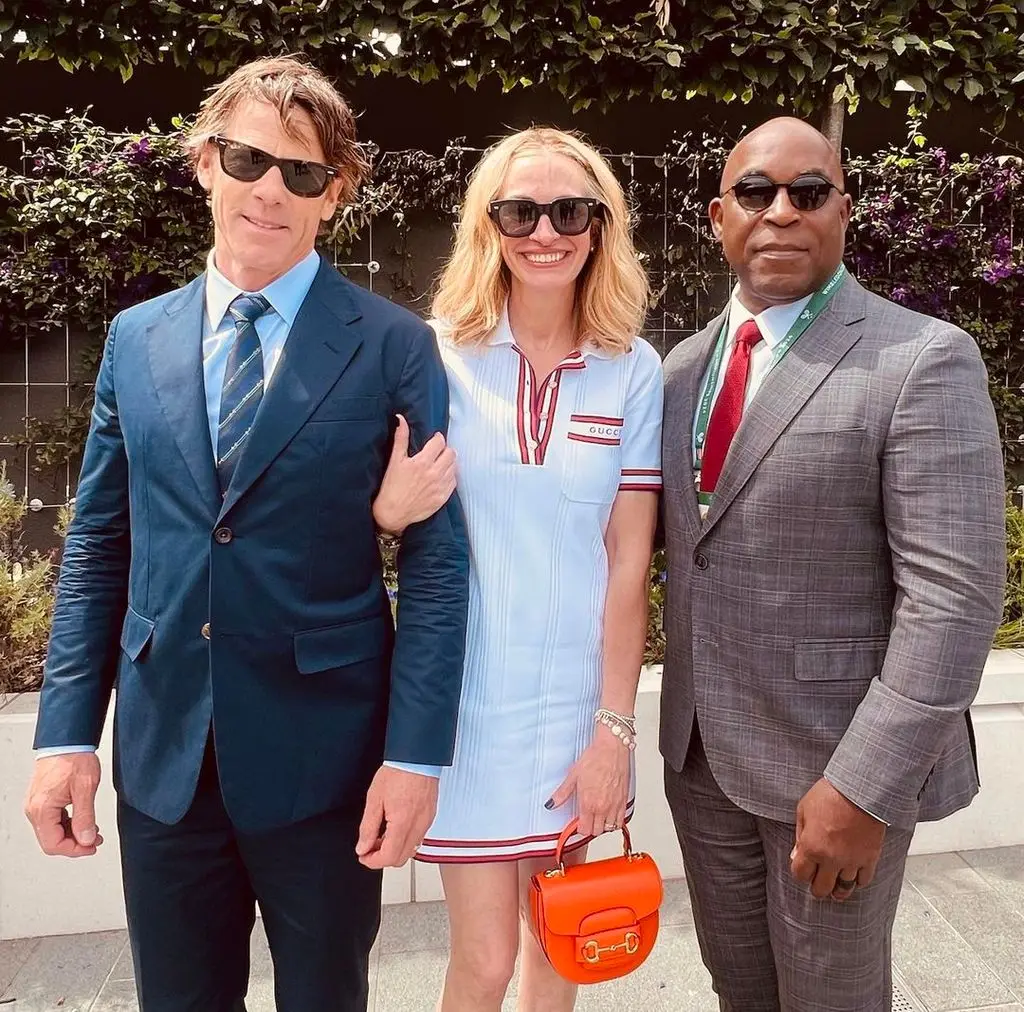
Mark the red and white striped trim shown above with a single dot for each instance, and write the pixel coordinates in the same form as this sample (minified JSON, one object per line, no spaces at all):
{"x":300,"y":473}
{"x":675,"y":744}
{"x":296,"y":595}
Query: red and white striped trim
{"x":433,"y":851}
{"x":606,"y":430}
{"x":640,"y":479}
{"x":535,"y":406}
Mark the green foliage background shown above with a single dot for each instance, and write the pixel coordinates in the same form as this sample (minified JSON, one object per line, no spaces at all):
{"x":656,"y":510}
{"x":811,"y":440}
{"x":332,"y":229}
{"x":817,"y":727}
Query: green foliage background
{"x":796,"y":54}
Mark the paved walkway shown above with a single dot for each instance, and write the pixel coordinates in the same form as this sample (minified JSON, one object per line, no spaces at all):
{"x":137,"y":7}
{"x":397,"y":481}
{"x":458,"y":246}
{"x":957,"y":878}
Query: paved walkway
{"x":959,"y":946}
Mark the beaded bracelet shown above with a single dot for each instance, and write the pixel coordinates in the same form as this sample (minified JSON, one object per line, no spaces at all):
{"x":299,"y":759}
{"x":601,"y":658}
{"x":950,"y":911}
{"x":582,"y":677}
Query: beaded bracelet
{"x":621,"y":727}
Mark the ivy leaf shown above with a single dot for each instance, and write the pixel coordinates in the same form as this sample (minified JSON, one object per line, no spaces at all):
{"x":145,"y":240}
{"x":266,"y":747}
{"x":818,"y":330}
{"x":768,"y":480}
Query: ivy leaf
{"x":805,"y":58}
{"x":490,"y":16}
{"x":673,"y":59}
{"x":972,"y":88}
{"x":943,"y":44}
{"x":915,"y":82}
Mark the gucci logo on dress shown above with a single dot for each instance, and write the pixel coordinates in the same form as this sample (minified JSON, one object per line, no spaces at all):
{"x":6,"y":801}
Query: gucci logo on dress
{"x":605,"y":430}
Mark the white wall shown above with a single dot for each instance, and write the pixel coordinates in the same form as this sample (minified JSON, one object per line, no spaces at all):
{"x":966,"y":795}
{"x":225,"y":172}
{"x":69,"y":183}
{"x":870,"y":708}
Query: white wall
{"x":42,"y":896}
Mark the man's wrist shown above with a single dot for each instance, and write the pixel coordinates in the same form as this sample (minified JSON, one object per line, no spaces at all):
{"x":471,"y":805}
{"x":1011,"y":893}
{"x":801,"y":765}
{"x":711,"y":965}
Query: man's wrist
{"x":423,"y":769}
{"x":854,"y":803}
{"x":54,"y":750}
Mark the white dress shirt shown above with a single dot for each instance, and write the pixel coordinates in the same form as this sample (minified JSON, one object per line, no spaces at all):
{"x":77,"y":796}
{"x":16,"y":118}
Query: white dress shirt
{"x":774,"y":324}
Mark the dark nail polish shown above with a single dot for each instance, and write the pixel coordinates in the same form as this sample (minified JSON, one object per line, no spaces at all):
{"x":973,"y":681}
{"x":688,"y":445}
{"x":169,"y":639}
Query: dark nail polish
{"x":549,"y":804}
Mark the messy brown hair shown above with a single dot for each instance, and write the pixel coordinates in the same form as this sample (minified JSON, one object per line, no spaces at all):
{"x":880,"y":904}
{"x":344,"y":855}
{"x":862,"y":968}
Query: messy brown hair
{"x":287,"y":83}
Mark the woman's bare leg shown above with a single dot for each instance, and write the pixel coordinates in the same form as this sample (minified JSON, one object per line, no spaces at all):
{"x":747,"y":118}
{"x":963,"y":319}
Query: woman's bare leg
{"x":540,"y":988}
{"x":483,"y":904}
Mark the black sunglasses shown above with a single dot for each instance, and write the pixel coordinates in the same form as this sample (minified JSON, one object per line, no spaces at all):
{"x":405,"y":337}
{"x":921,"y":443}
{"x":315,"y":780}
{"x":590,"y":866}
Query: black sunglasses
{"x":518,"y":217}
{"x":806,"y":193}
{"x":247,"y":164}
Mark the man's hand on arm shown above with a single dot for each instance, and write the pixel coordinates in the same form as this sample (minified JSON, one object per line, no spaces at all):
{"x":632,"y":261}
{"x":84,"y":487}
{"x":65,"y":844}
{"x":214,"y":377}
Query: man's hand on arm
{"x":400,"y":806}
{"x":837,"y":843}
{"x":59,"y":781}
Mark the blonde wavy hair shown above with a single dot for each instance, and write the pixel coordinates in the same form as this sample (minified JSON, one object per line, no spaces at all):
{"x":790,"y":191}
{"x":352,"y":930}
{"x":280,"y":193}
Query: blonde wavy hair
{"x":612,"y":291}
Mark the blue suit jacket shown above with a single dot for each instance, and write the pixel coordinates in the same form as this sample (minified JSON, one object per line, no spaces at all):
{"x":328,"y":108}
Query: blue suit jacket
{"x":264,"y":610}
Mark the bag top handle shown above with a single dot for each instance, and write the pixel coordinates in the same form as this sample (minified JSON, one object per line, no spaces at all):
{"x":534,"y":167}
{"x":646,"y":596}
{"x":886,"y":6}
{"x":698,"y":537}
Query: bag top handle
{"x":627,"y":847}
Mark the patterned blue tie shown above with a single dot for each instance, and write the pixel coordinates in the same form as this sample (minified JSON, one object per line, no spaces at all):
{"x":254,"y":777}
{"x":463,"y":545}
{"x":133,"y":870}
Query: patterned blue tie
{"x":243,"y":385}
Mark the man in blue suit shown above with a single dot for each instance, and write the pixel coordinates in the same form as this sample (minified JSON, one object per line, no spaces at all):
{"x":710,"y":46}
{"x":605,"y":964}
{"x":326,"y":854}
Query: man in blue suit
{"x":276,"y":739}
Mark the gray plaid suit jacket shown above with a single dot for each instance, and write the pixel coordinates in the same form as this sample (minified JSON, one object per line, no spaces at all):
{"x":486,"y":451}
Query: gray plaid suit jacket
{"x":833,"y":612}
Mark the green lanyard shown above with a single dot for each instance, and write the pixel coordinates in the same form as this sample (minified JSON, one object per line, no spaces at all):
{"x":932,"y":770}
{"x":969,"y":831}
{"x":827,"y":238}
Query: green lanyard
{"x":819,"y":300}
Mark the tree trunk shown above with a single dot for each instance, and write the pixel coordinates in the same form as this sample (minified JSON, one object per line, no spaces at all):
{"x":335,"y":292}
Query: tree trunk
{"x":832,"y":124}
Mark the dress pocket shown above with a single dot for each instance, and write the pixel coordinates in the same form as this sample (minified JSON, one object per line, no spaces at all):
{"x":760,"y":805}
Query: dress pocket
{"x":593,"y":458}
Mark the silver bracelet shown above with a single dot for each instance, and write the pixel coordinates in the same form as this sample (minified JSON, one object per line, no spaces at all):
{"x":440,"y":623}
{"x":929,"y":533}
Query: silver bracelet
{"x":620,"y":718}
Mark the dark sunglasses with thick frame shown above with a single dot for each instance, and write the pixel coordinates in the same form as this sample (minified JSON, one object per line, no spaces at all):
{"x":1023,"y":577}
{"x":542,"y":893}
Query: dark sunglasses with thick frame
{"x":247,"y":164}
{"x":517,"y":217}
{"x":808,"y":192}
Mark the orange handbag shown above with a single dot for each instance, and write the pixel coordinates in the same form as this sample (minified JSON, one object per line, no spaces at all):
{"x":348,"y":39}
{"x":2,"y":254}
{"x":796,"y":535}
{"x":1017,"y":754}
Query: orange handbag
{"x":598,"y":920}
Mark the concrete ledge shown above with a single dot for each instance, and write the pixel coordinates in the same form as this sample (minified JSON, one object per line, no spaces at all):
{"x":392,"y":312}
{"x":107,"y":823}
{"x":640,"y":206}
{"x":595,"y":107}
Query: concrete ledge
{"x":49,"y":896}
{"x":42,"y":895}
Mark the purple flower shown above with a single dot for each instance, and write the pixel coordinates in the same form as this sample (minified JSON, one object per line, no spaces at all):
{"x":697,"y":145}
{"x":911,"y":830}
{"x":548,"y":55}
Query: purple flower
{"x":999,"y":271}
{"x":1001,"y":246}
{"x":901,"y":295}
{"x":141,"y":151}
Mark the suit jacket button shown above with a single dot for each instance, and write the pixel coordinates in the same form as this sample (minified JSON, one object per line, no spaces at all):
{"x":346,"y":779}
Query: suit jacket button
{"x":222,"y":535}
{"x":205,"y":630}
{"x":700,"y":561}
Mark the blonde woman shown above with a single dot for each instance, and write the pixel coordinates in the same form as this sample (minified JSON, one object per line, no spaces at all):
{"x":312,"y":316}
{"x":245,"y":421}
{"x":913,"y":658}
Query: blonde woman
{"x":555,"y":416}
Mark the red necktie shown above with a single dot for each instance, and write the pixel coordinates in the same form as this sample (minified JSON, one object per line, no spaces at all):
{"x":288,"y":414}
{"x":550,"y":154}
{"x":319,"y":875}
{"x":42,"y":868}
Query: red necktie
{"x":728,"y":409}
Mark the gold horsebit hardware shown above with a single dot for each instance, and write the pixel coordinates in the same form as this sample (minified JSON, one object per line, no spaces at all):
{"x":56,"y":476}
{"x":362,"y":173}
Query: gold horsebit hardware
{"x":592,"y":951}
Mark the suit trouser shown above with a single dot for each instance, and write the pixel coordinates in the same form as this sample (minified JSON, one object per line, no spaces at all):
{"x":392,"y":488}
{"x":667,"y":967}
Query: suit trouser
{"x":769,"y":944}
{"x":191,"y":890}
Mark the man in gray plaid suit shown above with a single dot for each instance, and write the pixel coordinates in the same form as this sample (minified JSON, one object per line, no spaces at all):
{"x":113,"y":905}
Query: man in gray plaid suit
{"x":833,"y":514}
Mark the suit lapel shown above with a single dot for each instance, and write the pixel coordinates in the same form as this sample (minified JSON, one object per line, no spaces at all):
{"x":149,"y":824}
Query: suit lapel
{"x":175,"y":345}
{"x":682,"y":436}
{"x":786,"y":389}
{"x":319,"y":347}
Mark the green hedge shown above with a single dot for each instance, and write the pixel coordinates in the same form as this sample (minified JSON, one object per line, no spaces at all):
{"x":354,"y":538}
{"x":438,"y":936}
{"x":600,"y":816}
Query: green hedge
{"x":799,"y":55}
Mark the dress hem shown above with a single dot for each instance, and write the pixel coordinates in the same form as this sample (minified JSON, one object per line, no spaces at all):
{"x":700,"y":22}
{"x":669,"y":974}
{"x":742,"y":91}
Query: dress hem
{"x":503,"y":855}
